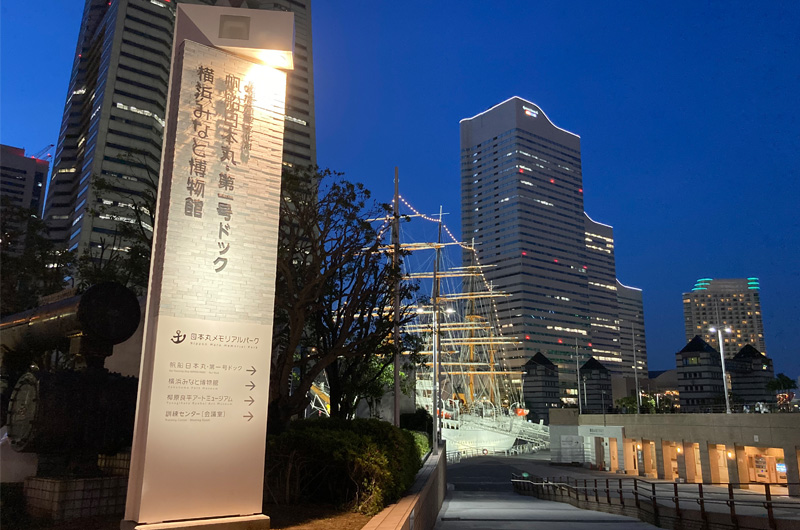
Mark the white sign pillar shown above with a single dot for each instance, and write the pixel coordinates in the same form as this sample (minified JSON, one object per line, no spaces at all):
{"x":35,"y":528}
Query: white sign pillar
{"x":200,"y":434}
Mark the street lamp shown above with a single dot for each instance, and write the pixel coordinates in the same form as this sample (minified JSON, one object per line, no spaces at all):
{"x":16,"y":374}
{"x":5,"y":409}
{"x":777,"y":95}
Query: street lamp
{"x":578,"y":376}
{"x":585,"y":404}
{"x":636,"y":372}
{"x":603,"y":404}
{"x":718,"y":330}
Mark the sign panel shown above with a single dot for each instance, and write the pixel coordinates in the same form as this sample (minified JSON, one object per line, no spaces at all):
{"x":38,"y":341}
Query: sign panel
{"x":201,"y":419}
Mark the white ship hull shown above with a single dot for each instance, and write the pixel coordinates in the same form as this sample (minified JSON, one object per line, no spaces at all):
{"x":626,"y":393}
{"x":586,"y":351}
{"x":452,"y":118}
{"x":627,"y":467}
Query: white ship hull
{"x":475,"y":440}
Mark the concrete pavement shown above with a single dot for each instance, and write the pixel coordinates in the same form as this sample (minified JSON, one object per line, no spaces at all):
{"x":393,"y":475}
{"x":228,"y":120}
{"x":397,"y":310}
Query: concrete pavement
{"x":480,"y":497}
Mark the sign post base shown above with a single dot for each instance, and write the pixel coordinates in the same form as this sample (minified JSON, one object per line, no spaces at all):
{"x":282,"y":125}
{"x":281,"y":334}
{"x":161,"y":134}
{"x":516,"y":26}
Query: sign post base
{"x":244,"y":522}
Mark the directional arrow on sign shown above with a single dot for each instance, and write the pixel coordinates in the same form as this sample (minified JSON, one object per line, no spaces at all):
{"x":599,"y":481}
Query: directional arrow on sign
{"x":252,"y":370}
{"x":249,"y":416}
{"x":251,"y":386}
{"x":250,"y":401}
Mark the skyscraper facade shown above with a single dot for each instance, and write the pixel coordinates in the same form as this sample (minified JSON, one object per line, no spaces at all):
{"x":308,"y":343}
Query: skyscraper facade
{"x":733,"y":304}
{"x":632,"y":340}
{"x":21,"y":182}
{"x":115,"y":109}
{"x":522,"y":204}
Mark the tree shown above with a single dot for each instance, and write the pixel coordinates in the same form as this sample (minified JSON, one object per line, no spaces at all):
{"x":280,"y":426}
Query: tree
{"x":628,"y":404}
{"x":366,"y":376}
{"x":334,"y":292}
{"x":30,"y":265}
{"x":781,"y":383}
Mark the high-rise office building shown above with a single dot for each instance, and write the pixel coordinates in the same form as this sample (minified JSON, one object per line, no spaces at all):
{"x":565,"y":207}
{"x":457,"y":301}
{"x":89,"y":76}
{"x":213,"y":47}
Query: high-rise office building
{"x":733,"y":304}
{"x":522,"y":204}
{"x":114,"y":114}
{"x":21,"y":181}
{"x":632,"y":342}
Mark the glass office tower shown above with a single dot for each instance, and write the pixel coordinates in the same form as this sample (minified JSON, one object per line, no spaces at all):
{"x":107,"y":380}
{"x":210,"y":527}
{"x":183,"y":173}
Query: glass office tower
{"x":522,"y":205}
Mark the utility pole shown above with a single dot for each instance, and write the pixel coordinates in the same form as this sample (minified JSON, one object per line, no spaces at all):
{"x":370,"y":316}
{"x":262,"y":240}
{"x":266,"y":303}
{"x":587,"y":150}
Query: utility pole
{"x":396,"y":265}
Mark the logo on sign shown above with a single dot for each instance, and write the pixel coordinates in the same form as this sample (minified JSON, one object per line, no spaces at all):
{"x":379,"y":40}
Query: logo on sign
{"x":178,"y":338}
{"x":530,"y":112}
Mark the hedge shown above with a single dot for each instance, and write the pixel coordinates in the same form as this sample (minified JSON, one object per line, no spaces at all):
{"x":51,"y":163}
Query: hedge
{"x":361,"y":464}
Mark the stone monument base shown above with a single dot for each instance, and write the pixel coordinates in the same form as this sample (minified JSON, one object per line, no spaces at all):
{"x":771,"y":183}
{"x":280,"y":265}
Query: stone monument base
{"x":244,"y":522}
{"x":60,"y":499}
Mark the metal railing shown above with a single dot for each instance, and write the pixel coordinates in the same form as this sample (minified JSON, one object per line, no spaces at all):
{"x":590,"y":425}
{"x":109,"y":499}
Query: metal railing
{"x":714,"y":408}
{"x":672,"y":505}
{"x":454,"y":457}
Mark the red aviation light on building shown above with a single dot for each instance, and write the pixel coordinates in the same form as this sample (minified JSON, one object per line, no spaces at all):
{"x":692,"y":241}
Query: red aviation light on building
{"x":552,"y":181}
{"x":585,"y":267}
{"x":524,"y":253}
{"x":590,"y":344}
{"x":560,"y":341}
{"x":527,"y":337}
{"x":520,"y":170}
{"x":555,"y":261}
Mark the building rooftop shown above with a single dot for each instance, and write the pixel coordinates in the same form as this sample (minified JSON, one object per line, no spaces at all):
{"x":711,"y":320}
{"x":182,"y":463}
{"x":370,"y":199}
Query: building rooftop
{"x":539,"y":359}
{"x":697,"y":345}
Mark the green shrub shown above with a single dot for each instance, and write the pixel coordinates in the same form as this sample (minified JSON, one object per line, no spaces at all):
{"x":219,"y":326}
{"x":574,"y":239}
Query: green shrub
{"x":360,"y":464}
{"x":422,"y":442}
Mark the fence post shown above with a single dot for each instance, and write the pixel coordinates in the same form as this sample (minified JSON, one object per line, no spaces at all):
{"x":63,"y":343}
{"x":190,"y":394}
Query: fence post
{"x":732,"y":504}
{"x":585,"y":490}
{"x":621,"y":494}
{"x":655,"y":504}
{"x":677,"y":501}
{"x":768,"y":504}
{"x":636,"y":492}
{"x":596,"y":494}
{"x":608,"y":493}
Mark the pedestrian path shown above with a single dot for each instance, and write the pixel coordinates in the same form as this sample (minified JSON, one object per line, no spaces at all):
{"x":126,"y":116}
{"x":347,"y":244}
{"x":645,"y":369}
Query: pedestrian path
{"x":480,"y":496}
{"x":497,"y":510}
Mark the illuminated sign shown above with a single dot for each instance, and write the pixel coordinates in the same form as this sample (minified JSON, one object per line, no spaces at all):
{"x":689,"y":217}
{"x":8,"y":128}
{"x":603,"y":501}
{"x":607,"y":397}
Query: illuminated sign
{"x":530,"y":112}
{"x":200,"y":433}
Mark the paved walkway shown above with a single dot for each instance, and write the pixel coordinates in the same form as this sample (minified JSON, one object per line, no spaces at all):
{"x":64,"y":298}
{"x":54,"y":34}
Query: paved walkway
{"x":480,"y":497}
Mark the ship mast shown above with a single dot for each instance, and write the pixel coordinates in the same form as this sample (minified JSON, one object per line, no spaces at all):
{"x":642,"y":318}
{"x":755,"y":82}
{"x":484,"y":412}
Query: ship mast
{"x":435,"y":361}
{"x":396,"y":265}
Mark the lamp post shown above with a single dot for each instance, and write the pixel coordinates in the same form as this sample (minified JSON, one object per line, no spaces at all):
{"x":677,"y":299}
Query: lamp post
{"x":603,"y":404}
{"x":718,"y":329}
{"x":578,"y":376}
{"x":585,"y":403}
{"x":636,"y":373}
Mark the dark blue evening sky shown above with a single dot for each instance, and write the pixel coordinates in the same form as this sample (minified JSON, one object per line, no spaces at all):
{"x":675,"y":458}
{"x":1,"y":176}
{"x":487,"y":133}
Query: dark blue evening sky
{"x":688,"y":114}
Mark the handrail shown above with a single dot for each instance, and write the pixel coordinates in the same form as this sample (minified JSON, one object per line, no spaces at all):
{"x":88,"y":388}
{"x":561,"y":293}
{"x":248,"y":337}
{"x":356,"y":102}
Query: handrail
{"x":650,"y":498}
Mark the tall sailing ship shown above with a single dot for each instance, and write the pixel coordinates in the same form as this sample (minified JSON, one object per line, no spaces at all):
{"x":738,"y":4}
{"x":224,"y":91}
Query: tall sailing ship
{"x":479,"y":402}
